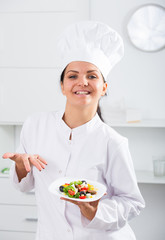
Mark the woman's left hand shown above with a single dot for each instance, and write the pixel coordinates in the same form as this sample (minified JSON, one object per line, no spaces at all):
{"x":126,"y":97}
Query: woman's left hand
{"x":88,"y":209}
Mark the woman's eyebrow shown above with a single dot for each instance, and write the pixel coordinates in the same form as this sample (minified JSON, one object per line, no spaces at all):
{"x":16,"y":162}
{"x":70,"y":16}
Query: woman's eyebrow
{"x":73,"y":71}
{"x":92,"y":71}
{"x":78,"y":71}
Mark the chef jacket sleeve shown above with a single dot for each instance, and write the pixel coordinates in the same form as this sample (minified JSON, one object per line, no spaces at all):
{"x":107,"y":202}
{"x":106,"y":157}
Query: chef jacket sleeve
{"x":27,"y":183}
{"x":124,"y":200}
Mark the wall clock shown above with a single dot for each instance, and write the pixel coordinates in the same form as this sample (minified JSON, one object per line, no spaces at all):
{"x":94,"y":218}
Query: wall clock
{"x":146,"y":28}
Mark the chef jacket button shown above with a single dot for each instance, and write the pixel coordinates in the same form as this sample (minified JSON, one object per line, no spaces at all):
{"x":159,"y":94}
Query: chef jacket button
{"x":68,"y":230}
{"x":60,"y":171}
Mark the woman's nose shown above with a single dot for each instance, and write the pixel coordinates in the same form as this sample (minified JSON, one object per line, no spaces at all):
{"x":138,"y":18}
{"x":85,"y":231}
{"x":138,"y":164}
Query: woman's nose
{"x":83,"y":81}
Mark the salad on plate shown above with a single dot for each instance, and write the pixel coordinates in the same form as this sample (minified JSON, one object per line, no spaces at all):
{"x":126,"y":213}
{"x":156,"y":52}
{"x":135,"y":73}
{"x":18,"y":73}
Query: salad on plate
{"x":78,"y":189}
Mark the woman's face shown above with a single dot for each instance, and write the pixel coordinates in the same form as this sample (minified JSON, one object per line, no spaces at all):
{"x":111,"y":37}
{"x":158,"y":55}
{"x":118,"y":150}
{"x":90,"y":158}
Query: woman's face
{"x":83,"y":84}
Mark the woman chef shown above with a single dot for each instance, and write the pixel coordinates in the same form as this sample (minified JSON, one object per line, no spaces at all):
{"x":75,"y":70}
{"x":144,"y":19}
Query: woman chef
{"x":75,"y":142}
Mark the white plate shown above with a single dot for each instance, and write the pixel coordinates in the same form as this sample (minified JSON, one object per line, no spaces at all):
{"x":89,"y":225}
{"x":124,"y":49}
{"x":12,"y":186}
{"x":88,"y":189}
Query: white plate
{"x":54,"y":188}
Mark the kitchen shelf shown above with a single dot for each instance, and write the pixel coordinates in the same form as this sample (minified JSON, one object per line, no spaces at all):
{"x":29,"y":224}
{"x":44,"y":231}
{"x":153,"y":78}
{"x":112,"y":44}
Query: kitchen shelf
{"x":142,"y":177}
{"x":4,"y":175}
{"x":157,"y":123}
{"x":148,"y":177}
{"x":150,"y":123}
{"x":11,"y":123}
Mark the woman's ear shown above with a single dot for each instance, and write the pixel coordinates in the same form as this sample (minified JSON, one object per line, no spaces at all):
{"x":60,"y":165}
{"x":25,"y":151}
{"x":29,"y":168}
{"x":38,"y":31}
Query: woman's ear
{"x":105,"y":85}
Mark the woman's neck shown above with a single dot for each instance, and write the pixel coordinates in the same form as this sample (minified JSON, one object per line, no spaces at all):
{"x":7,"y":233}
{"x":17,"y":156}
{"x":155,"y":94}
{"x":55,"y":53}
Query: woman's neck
{"x":75,"y":117}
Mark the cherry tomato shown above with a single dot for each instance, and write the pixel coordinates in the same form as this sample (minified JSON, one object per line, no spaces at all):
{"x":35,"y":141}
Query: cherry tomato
{"x":82,"y":197}
{"x":66,"y":183}
{"x":71,"y":192}
{"x":84,"y":188}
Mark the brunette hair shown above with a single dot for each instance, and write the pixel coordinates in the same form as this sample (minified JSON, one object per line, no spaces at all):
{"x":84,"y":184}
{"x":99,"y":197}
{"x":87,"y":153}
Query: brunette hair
{"x":98,"y":107}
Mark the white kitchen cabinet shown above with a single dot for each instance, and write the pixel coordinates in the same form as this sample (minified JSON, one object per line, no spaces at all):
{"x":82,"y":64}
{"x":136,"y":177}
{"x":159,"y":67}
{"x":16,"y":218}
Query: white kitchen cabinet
{"x":10,"y":195}
{"x":18,"y":218}
{"x":16,"y":235}
{"x":29,"y":91}
{"x":18,"y":212}
{"x":34,"y":36}
{"x":29,"y":69}
{"x":29,"y":30}
{"x":40,"y":5}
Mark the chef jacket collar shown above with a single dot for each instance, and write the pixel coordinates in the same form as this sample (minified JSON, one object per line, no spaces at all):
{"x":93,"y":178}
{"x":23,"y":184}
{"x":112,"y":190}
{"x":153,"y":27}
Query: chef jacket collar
{"x":80,"y":130}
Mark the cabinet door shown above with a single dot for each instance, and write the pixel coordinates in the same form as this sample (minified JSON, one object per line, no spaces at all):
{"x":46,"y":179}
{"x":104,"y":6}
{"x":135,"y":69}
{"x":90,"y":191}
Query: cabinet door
{"x":9,"y":195}
{"x":27,"y":91}
{"x":16,"y":236}
{"x":29,"y":69}
{"x":18,"y":218}
{"x":28,"y":40}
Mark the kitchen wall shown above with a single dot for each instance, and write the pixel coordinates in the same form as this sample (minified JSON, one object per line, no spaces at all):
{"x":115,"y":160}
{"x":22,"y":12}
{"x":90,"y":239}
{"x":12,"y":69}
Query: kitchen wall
{"x":27,"y":62}
{"x":139,"y":79}
{"x":29,"y":70}
{"x":29,"y":82}
{"x":28,"y":35}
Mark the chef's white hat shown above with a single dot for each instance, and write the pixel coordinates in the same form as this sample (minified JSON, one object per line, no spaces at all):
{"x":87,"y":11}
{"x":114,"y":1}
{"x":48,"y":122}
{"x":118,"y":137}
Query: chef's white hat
{"x":93,"y":42}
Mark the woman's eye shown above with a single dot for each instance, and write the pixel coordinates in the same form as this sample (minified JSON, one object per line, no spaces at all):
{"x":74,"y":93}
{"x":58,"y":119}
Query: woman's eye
{"x":92,"y":76}
{"x":73,"y":76}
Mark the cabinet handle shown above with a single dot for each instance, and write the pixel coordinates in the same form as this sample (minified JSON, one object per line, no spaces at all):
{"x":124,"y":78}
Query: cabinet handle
{"x":31,"y":219}
{"x":30,"y":193}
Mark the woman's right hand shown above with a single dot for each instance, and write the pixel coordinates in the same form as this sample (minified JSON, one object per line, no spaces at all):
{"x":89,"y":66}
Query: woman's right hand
{"x":24,"y":161}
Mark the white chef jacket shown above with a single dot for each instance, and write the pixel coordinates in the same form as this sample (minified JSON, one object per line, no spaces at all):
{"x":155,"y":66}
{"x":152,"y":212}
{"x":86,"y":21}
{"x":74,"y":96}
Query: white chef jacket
{"x":95,"y":152}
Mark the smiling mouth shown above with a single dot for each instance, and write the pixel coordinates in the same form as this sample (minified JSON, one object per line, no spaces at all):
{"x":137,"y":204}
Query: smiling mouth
{"x":82,"y":93}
